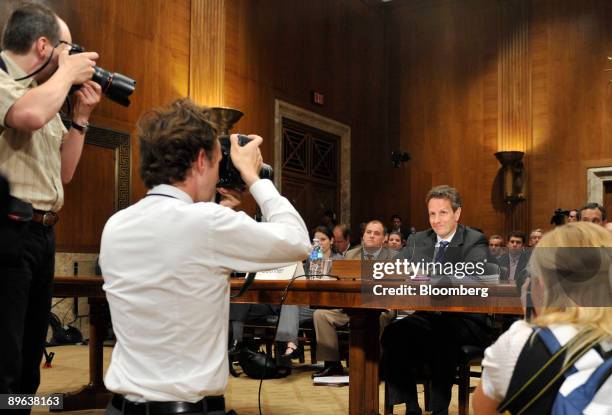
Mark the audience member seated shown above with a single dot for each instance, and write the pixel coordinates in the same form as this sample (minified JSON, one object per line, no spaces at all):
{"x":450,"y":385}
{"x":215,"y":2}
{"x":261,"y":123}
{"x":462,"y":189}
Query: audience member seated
{"x":526,"y":347}
{"x":535,"y":236}
{"x":292,"y":316}
{"x":327,"y":321}
{"x":517,"y":258}
{"x":396,"y":226}
{"x":593,"y":212}
{"x":573,"y":216}
{"x":496,"y":246}
{"x":342,"y":239}
{"x":429,"y":339}
{"x":395,"y":242}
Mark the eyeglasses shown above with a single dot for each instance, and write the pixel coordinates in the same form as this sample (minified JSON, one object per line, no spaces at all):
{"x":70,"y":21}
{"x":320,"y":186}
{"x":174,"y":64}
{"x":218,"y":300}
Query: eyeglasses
{"x":59,"y":42}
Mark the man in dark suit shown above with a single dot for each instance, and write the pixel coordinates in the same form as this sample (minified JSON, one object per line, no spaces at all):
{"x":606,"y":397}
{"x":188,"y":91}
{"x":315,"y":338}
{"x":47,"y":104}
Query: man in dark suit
{"x":515,"y":261}
{"x":431,"y":341}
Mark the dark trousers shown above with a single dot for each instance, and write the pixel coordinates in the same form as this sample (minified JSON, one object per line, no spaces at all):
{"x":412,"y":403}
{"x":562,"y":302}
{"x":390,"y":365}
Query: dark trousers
{"x":27,"y":261}
{"x":427,"y":344}
{"x":241,"y":313}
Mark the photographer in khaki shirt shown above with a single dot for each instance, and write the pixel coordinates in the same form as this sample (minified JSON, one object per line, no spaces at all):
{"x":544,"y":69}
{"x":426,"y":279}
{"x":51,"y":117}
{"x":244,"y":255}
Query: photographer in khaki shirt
{"x":37,"y":155}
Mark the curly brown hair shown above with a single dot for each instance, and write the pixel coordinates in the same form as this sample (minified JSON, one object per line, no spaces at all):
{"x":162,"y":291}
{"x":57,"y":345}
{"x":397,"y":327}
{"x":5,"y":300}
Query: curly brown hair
{"x":170,"y":140}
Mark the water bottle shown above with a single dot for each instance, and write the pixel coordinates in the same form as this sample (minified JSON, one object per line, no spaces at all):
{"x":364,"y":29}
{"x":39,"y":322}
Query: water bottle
{"x":316,"y":259}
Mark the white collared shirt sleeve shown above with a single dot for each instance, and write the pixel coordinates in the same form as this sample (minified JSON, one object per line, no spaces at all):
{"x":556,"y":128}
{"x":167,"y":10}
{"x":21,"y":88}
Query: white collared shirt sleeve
{"x":242,"y":244}
{"x":500,"y":360}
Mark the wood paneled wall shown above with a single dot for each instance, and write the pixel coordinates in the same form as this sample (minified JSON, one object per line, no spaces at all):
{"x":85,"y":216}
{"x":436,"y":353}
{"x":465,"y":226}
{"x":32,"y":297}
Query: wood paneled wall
{"x":285,"y":49}
{"x":450,"y":81}
{"x":572,"y":101}
{"x":469,"y":78}
{"x":444,"y":103}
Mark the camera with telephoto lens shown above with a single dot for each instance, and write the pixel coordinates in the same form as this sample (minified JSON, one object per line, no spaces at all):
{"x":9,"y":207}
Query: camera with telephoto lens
{"x":229,"y":176}
{"x":115,"y":86}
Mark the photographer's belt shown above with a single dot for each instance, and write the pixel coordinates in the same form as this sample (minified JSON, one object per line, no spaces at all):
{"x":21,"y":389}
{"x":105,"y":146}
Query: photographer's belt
{"x":22,"y":211}
{"x":45,"y":218}
{"x":208,"y":405}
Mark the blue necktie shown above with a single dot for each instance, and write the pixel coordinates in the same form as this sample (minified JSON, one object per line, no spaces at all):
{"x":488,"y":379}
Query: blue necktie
{"x":441,"y":250}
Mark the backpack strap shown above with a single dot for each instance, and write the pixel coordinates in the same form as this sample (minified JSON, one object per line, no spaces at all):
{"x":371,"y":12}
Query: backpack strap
{"x":549,"y":377}
{"x":581,"y":396}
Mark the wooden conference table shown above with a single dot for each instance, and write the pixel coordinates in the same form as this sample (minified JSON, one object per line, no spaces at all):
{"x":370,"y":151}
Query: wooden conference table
{"x":343,"y":293}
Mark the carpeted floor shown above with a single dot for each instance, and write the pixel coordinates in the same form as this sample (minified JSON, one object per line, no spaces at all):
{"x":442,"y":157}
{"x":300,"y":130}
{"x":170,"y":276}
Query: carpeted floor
{"x":294,"y":395}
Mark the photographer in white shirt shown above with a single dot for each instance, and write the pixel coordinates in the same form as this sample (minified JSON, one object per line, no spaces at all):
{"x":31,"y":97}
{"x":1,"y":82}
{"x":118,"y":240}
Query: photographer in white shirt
{"x":166,"y":262}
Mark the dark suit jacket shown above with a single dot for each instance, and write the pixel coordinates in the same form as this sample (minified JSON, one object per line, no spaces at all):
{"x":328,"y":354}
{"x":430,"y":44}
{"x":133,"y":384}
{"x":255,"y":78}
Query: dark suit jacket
{"x":384,"y":255}
{"x":519,"y":275}
{"x":467,"y":245}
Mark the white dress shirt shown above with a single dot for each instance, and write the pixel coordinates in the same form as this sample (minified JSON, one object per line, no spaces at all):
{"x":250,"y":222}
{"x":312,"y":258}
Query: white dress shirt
{"x":166,"y":263}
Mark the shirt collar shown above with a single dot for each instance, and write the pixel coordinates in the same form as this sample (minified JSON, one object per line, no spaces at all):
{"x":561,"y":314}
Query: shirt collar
{"x":15,"y":71}
{"x":169,"y":190}
{"x":374,"y":254}
{"x":450,"y":238}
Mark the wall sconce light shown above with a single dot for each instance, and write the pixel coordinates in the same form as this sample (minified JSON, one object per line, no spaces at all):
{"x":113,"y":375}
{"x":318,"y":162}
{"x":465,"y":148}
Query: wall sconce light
{"x":514,"y":184}
{"x":399,"y":157}
{"x":224,"y":118}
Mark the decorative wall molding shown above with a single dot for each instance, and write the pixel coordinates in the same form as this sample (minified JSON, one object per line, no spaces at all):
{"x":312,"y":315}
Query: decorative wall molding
{"x":285,"y":110}
{"x":596,"y":179}
{"x":120,"y":143}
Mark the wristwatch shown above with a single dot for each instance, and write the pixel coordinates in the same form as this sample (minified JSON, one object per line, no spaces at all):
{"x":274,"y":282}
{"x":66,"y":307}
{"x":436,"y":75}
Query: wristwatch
{"x":80,"y":128}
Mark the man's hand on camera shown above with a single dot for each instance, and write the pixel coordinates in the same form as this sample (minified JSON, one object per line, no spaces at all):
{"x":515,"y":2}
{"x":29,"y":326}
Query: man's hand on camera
{"x":229,"y":197}
{"x":86,"y":98}
{"x":247,"y":159}
{"x":78,"y":67}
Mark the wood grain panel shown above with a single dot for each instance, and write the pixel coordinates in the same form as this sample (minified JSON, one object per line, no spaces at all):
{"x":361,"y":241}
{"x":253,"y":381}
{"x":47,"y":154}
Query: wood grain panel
{"x":443,"y":79}
{"x":92,"y":201}
{"x":285,"y":49}
{"x":207,"y":52}
{"x":550,"y":98}
{"x":571,"y":101}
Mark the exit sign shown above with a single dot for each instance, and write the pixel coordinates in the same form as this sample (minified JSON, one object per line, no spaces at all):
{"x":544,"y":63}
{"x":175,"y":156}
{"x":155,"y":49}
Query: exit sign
{"x":317,"y":98}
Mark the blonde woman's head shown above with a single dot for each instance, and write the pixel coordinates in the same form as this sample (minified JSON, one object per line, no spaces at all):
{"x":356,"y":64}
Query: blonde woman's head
{"x":571,"y":277}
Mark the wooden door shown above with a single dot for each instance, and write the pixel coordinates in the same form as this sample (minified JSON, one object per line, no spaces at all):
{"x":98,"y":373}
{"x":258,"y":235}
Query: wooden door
{"x":310,"y":170}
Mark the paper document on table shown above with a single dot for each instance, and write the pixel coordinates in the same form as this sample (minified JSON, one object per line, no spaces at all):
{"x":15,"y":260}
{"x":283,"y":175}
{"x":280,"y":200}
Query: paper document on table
{"x":283,"y":273}
{"x":331,"y":380}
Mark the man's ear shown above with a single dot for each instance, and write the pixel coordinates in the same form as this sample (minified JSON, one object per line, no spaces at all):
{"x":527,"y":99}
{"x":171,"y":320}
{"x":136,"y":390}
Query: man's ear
{"x":200,"y":161}
{"x":457,"y":213}
{"x":41,"y":45}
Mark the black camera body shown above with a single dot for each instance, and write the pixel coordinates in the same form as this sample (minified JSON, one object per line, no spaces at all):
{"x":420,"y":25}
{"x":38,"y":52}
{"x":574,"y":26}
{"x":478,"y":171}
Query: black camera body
{"x":115,"y":86}
{"x":229,"y":176}
{"x":558,"y":217}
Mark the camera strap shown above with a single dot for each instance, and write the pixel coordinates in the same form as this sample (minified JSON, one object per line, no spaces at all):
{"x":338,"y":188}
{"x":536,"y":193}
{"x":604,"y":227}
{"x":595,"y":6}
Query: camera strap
{"x":4,"y":68}
{"x":160,"y":194}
